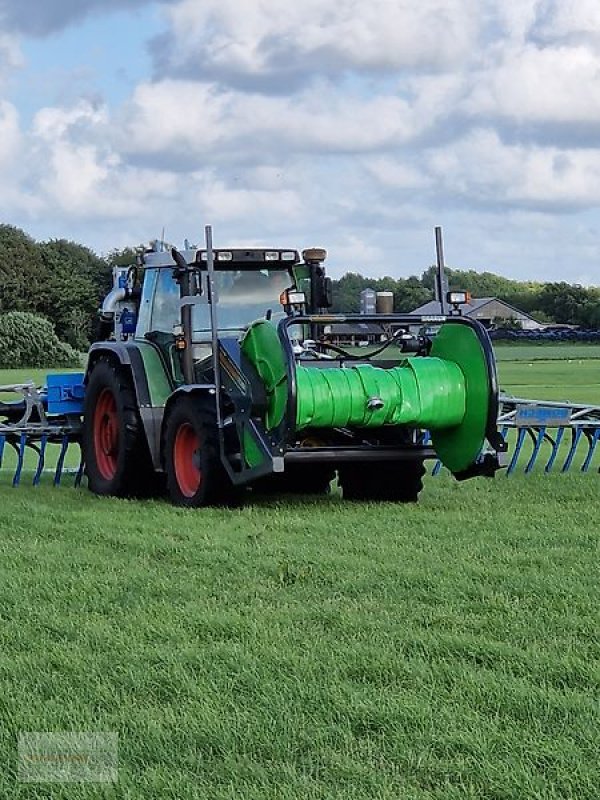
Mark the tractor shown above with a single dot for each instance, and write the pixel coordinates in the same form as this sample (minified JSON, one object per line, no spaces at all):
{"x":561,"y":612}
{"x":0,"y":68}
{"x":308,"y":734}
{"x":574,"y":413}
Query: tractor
{"x":218,"y":374}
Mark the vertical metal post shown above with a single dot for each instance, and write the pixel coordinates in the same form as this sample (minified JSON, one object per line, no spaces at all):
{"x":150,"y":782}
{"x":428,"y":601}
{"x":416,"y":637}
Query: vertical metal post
{"x":186,"y":324}
{"x":440,"y":277}
{"x":214,"y":325}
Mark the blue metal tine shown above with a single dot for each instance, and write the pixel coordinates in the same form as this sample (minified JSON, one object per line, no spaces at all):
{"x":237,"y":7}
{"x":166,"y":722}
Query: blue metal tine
{"x":81,"y":469}
{"x":61,"y":459}
{"x":41,"y":459}
{"x":576,"y":436}
{"x":2,"y":444}
{"x":21,"y":459}
{"x":520,"y":439}
{"x":536,"y":449}
{"x":555,"y":446}
{"x":593,"y":442}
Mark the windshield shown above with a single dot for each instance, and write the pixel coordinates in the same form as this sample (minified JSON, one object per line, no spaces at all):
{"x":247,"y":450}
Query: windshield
{"x":243,"y":296}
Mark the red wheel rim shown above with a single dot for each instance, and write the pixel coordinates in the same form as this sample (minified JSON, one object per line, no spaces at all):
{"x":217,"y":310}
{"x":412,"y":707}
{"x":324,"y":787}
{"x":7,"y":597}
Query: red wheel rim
{"x":186,"y":460}
{"x":106,"y":434}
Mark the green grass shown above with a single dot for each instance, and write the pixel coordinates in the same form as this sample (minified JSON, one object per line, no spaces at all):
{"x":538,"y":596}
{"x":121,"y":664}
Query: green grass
{"x":38,"y":376}
{"x":546,"y":352}
{"x":314,"y":649}
{"x":574,"y":380}
{"x":569,"y":372}
{"x":310,"y":649}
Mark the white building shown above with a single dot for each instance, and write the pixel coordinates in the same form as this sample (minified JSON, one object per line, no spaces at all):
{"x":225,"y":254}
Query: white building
{"x":489,"y":311}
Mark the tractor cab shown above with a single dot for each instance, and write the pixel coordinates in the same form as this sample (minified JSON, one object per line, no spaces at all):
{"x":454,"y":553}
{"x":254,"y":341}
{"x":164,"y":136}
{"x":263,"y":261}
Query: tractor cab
{"x":245,"y":290}
{"x":245,"y":285}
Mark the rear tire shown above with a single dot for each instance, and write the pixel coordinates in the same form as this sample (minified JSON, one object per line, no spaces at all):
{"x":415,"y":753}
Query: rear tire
{"x":116,"y":453}
{"x":395,"y":481}
{"x":195,"y":475}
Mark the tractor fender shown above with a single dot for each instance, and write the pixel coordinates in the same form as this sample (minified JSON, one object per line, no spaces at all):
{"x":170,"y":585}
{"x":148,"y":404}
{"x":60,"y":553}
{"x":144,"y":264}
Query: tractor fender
{"x":151,"y":391}
{"x":126,"y":355}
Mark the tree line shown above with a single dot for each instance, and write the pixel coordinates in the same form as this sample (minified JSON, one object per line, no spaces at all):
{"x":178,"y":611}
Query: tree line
{"x":560,"y":302}
{"x":59,"y":280}
{"x":65,"y":282}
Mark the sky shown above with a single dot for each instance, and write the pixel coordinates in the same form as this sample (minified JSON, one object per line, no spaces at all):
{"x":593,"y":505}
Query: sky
{"x":350,"y":125}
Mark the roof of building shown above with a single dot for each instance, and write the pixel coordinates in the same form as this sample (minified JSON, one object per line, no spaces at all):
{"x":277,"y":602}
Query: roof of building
{"x":476,"y":304}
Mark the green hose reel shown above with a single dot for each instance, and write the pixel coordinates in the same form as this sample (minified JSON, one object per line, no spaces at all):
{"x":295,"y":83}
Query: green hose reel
{"x":446,"y":393}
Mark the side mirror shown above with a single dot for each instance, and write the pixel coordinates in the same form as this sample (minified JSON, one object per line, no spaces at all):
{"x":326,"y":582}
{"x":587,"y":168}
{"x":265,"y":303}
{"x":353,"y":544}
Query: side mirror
{"x":178,"y":259}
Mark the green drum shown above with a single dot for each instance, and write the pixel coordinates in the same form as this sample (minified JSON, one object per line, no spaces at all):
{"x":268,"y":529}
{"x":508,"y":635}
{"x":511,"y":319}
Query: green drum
{"x":446,"y":393}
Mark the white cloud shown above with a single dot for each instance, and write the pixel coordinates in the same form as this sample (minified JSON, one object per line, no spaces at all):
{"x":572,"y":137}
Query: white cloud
{"x":11,"y":57}
{"x":10,"y":134}
{"x":397,"y":174}
{"x":55,"y":123}
{"x":184,"y":121}
{"x":217,"y":200}
{"x":552,"y":84}
{"x":481,"y":167}
{"x":281,"y":38}
{"x":515,"y":18}
{"x":569,"y":19}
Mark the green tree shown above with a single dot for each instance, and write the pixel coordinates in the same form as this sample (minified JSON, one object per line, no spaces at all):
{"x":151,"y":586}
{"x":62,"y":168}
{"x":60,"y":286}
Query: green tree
{"x":73,"y":292}
{"x":408,"y":292}
{"x":563,"y":302}
{"x":23,"y":274}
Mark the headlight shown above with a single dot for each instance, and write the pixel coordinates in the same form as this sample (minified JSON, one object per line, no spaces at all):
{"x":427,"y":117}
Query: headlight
{"x":458,"y":298}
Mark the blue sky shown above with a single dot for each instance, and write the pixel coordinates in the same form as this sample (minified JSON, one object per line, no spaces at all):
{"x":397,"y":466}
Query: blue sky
{"x":103,"y":58}
{"x":354,"y":126}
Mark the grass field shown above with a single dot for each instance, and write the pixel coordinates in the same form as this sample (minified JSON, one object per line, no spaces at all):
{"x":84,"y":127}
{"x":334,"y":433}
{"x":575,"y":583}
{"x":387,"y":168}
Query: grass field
{"x":545,"y":352}
{"x":316,"y":648}
{"x":575,"y":378}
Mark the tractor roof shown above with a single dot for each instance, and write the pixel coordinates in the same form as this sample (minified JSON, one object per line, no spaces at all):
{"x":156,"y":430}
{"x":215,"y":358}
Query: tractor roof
{"x":232,"y":258}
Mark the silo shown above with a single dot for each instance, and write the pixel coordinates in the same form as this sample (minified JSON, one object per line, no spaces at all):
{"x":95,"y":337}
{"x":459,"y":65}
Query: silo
{"x":385,"y":302}
{"x":368,"y":301}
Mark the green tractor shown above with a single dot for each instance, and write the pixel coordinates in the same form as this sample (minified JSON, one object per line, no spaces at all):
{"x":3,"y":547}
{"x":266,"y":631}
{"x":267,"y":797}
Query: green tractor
{"x":220,"y":372}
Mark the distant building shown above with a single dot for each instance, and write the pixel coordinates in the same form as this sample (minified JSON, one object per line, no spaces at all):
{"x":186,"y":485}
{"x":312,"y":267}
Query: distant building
{"x":354,"y":334}
{"x":490,"y":311}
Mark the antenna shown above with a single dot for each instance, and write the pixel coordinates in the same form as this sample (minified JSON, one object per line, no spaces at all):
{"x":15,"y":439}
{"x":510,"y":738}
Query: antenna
{"x":440,"y":278}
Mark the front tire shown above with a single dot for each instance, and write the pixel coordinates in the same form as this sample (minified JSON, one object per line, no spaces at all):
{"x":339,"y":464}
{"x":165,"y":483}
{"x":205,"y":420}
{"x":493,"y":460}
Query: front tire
{"x":195,"y":475}
{"x":395,"y":481}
